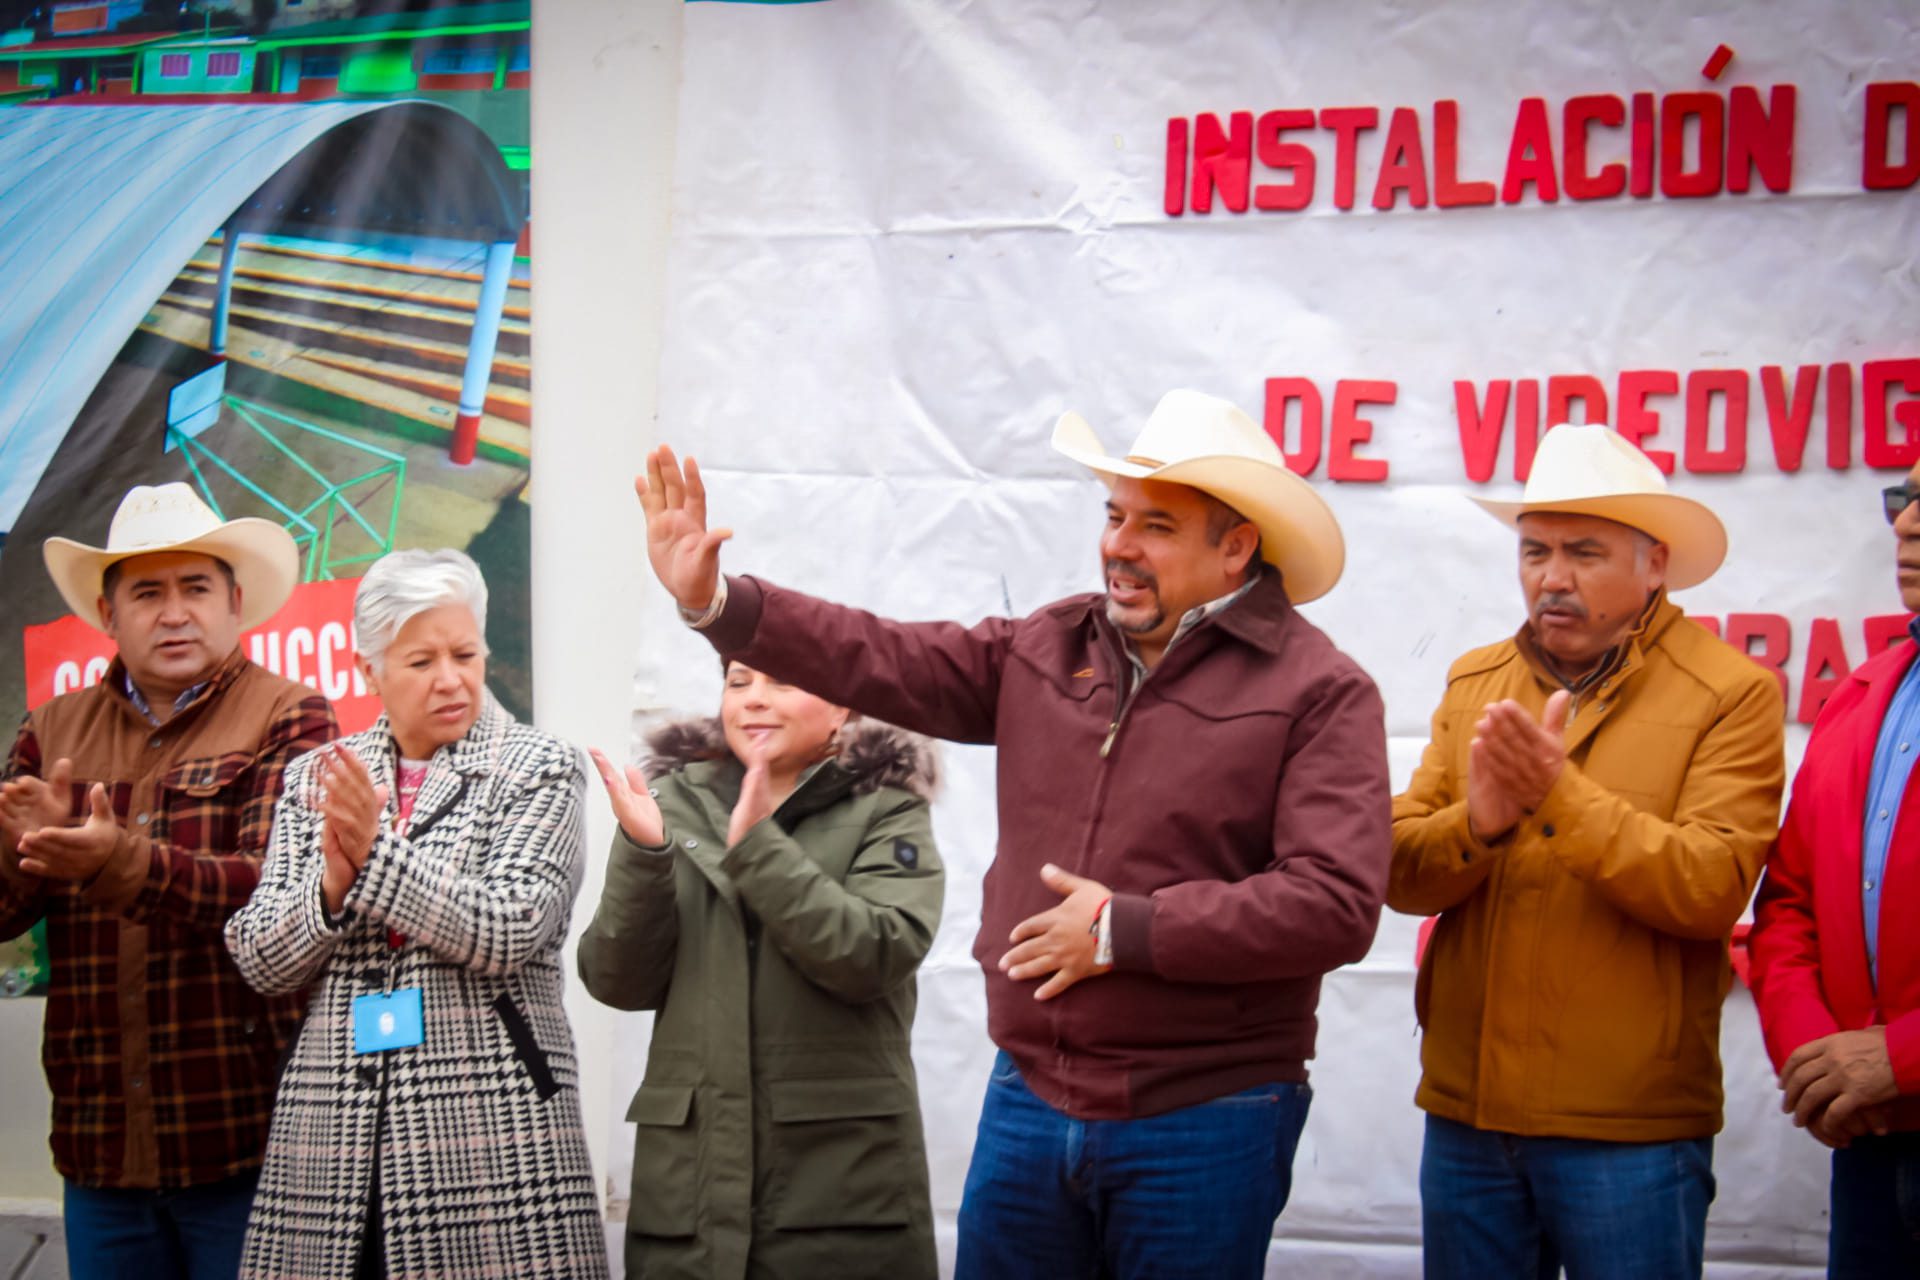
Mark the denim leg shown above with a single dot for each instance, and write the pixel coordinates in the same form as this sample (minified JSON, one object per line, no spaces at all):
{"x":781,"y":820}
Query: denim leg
{"x":1194,"y":1192}
{"x":1477,"y":1213}
{"x":1623,"y":1210}
{"x":211,"y":1223}
{"x":1875,"y":1227}
{"x":1025,"y":1211}
{"x":117,"y":1234}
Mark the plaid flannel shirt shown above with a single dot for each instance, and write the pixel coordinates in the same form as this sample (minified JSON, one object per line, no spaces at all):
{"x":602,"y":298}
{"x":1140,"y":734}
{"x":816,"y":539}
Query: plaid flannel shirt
{"x":162,"y":1061}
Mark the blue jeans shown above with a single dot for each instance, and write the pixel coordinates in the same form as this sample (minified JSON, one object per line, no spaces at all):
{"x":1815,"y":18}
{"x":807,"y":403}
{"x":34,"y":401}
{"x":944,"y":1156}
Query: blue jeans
{"x":1493,"y":1204}
{"x":1192,"y":1192}
{"x":194,"y":1233}
{"x":1875,"y":1228}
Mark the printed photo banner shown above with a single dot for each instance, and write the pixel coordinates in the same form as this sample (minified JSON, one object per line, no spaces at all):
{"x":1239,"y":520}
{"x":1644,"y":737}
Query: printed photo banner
{"x":281,"y":256}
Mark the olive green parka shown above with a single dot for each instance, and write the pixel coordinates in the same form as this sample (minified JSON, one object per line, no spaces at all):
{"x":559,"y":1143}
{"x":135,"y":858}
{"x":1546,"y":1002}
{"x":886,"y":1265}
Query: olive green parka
{"x":778,"y":1124}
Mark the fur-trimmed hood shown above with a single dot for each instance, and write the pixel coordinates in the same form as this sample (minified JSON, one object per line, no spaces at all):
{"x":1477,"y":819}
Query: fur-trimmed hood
{"x":873,"y":753}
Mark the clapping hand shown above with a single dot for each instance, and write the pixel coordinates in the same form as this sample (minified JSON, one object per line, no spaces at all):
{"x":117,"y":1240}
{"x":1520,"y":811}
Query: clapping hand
{"x":633,"y":804}
{"x":28,"y":803}
{"x":350,"y":807}
{"x":685,"y":554}
{"x":73,"y":853}
{"x":1513,"y":763}
{"x":755,"y":804}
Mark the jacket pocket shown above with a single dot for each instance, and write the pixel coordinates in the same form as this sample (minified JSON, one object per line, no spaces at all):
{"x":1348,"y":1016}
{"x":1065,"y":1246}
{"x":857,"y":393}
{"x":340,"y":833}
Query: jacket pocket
{"x":666,"y":1161}
{"x":525,"y":1047}
{"x":840,"y":1152}
{"x":208,"y":776}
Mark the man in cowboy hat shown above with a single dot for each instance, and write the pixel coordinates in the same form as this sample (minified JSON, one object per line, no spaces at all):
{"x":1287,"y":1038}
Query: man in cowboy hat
{"x":1836,"y":966}
{"x":1193,"y":829}
{"x":132,"y":820}
{"x":1587,"y":821}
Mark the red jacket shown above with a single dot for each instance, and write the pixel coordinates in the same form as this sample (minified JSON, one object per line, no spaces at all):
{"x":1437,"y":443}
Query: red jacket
{"x":1238,"y":811}
{"x":1808,"y":946}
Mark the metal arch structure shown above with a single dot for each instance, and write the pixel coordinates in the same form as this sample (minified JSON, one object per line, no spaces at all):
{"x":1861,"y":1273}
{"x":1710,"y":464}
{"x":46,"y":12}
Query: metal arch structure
{"x":100,"y":208}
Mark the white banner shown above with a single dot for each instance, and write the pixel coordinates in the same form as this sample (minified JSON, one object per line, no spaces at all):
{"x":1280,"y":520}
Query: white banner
{"x":907,"y":235}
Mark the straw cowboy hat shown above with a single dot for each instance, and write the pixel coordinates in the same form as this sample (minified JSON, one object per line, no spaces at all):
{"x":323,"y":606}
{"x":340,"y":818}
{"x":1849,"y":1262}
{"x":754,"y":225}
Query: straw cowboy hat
{"x":1203,"y":441}
{"x":1595,"y":471}
{"x":171,"y":517}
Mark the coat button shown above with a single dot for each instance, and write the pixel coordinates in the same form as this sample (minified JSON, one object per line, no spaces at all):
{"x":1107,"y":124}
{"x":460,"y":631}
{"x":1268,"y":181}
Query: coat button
{"x":692,"y":843}
{"x":1547,"y":830}
{"x":369,"y":1074}
{"x":655,"y":791}
{"x":153,"y":741}
{"x":142,"y":819}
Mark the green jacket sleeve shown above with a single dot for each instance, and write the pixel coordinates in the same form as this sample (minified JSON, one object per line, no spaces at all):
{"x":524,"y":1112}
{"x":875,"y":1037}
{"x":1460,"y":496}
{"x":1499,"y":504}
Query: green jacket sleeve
{"x":857,"y":940}
{"x":626,"y":954}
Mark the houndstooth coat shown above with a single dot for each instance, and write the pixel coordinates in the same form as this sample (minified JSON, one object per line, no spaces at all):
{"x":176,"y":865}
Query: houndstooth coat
{"x":476,"y":1133}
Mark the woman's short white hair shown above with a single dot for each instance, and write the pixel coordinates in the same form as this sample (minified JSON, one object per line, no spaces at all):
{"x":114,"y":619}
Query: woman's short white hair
{"x":404,"y":584}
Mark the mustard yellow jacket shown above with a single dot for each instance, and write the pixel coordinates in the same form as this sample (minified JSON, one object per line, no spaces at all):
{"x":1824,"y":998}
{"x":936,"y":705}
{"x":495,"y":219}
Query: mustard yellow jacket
{"x":1573,"y":983}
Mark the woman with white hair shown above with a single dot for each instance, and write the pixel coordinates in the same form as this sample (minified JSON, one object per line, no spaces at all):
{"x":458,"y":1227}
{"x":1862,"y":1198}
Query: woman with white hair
{"x":420,"y":878}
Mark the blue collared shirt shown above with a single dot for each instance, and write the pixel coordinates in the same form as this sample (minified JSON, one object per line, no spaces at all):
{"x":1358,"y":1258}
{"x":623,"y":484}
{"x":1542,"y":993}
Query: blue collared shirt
{"x":1892,"y":763}
{"x":140,"y":703}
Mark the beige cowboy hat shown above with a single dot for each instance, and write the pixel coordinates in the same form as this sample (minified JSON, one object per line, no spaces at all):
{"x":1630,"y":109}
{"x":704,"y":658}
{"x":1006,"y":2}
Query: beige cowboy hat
{"x":171,"y":517}
{"x":1596,"y":471}
{"x":1203,"y":441}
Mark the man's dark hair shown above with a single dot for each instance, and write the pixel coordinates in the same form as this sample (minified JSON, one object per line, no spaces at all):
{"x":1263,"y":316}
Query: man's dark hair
{"x":110,"y":576}
{"x":1223,"y":519}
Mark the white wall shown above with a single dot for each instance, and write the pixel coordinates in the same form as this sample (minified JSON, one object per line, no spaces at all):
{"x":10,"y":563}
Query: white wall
{"x":605,"y":95}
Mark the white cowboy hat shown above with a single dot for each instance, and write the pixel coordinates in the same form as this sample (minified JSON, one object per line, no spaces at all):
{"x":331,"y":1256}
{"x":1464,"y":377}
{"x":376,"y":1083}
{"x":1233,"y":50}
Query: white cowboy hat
{"x":1596,"y":471}
{"x":171,"y":517}
{"x":1203,"y":441}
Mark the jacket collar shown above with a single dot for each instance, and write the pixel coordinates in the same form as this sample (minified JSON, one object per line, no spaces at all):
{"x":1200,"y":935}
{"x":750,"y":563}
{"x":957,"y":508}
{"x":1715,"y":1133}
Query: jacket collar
{"x":1621,"y":661}
{"x":718,"y":784}
{"x":715,"y":785}
{"x":453,"y":767}
{"x":229,"y":669}
{"x":1260,"y":618}
{"x":1882,"y":678}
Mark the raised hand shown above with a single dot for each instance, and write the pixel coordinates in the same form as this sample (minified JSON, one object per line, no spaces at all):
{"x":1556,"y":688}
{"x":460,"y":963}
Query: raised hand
{"x":685,"y":554}
{"x":633,"y":804}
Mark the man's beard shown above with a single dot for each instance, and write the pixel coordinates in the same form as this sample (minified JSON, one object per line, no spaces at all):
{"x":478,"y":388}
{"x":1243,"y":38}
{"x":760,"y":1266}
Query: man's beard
{"x":1114,"y":609}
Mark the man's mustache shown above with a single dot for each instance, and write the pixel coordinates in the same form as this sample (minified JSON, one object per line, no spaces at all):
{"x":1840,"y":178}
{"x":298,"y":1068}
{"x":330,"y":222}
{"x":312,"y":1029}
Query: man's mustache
{"x":1121,"y":569}
{"x":1562,"y":601}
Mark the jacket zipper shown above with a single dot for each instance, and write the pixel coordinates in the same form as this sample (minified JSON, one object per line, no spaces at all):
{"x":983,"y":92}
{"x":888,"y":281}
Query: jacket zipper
{"x":1123,"y":696}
